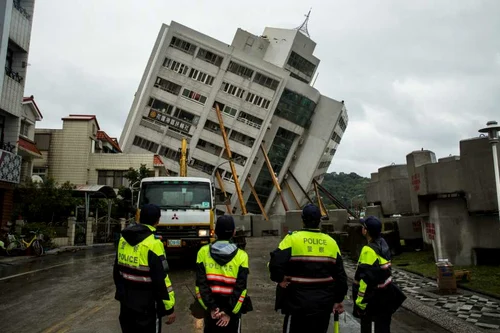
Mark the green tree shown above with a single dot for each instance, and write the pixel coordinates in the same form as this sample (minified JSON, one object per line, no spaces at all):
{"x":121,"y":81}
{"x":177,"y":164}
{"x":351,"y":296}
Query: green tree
{"x":136,"y":175}
{"x":346,"y":186}
{"x":44,"y":202}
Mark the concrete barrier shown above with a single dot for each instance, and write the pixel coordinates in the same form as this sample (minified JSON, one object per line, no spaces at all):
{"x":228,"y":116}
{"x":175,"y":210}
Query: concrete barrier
{"x":338,"y":217}
{"x":374,"y":211}
{"x":293,"y":221}
{"x":244,"y":222}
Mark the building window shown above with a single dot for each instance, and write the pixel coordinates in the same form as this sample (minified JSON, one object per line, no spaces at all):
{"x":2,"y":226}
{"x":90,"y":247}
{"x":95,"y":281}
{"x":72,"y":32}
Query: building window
{"x":145,"y":144}
{"x":250,"y":120}
{"x":194,"y":96}
{"x":182,"y":45}
{"x":342,"y":124}
{"x":295,"y":76}
{"x":266,"y":81}
{"x":201,"y":76}
{"x":168,"y":86}
{"x":41,"y":172}
{"x":232,"y":89}
{"x":209,"y":147}
{"x":296,"y":108}
{"x":258,"y":100}
{"x":240,"y":70}
{"x":175,"y":66}
{"x":230,"y":111}
{"x":161,"y":106}
{"x":209,"y":57}
{"x":301,"y":64}
{"x":237,"y":158}
{"x":324,"y":164}
{"x":169,"y":153}
{"x":25,"y":129}
{"x":213,"y":127}
{"x":336,"y":137}
{"x":333,"y":151}
{"x":242,"y":138}
{"x":278,"y":152}
{"x":202,"y":166}
{"x":112,"y":178}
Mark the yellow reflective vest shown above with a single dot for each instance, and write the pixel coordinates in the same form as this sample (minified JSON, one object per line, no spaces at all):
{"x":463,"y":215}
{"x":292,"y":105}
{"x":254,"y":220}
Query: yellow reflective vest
{"x":141,"y":271}
{"x":221,"y":277}
{"x":373,"y":273}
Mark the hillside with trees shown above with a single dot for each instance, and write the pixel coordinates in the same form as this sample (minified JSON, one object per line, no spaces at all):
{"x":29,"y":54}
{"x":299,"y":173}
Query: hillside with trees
{"x":346,"y":186}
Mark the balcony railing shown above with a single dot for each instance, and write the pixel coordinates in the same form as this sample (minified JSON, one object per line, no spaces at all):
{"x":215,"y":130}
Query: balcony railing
{"x":17,"y":5}
{"x":13,"y":75}
{"x":10,"y":164}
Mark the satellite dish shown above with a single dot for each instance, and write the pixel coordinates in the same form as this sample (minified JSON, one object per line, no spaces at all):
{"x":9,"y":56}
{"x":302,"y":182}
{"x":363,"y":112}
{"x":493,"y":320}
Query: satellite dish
{"x":36,"y":179}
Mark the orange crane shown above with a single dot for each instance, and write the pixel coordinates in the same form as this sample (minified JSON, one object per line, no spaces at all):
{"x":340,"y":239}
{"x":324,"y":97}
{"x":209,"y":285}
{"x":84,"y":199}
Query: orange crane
{"x":231,"y":163}
{"x":256,"y":196}
{"x":273,"y":176}
{"x":183,"y":160}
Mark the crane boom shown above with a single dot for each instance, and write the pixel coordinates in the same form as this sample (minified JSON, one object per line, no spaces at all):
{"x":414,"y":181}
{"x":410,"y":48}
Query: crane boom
{"x":273,"y":176}
{"x":231,"y":163}
{"x":183,"y":159}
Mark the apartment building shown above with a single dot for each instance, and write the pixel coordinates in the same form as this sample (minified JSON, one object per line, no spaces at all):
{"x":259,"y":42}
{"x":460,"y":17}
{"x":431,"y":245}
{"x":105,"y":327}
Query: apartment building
{"x":262,"y":85}
{"x":83,"y":154}
{"x":16,"y":18}
{"x":26,"y":146}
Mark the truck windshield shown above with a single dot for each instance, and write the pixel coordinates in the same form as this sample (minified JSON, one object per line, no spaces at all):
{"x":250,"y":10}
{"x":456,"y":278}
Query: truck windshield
{"x":177,"y":195}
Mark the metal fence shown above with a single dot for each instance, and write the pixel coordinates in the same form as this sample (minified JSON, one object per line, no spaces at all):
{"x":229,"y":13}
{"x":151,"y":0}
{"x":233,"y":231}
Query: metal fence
{"x":106,"y":230}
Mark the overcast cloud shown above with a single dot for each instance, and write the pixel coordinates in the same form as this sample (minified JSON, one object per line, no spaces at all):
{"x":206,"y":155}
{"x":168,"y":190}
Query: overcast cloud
{"x":413,"y":74}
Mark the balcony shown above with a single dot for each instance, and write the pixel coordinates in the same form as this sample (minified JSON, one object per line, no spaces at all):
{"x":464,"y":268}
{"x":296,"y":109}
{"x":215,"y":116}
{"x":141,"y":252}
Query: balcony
{"x":10,"y":164}
{"x":20,"y":26}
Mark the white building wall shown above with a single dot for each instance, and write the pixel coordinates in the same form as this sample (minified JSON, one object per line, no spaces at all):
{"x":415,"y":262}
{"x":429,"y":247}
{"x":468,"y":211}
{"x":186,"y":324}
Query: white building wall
{"x":247,"y":50}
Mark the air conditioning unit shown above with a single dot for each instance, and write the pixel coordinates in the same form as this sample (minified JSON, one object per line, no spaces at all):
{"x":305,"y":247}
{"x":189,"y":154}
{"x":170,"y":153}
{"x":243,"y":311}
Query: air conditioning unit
{"x":269,"y":126}
{"x":286,"y":176}
{"x":301,"y":141}
{"x":294,"y":157}
{"x":191,"y":162}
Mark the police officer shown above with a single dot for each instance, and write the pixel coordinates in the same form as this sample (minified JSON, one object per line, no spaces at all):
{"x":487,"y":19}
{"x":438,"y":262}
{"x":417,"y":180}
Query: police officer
{"x":375,"y":294}
{"x":221,"y":280}
{"x":140,"y":273}
{"x":310,"y":274}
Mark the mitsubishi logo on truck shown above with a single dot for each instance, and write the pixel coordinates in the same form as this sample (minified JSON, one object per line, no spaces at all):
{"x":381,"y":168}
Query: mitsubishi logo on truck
{"x":175,"y":217}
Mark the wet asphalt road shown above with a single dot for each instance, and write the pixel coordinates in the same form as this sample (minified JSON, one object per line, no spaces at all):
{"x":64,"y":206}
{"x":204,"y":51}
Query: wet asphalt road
{"x":73,"y":292}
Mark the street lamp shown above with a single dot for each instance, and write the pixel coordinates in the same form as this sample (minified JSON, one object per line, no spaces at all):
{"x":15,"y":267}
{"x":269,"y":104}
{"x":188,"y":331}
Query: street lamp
{"x":493,"y":129}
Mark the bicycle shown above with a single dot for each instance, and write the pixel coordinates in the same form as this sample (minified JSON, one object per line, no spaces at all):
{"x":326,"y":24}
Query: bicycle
{"x":20,"y":244}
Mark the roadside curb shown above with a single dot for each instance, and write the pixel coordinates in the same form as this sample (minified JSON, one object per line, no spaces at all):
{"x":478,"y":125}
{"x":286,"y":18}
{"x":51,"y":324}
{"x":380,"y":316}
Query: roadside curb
{"x":63,"y":249}
{"x":434,"y":315}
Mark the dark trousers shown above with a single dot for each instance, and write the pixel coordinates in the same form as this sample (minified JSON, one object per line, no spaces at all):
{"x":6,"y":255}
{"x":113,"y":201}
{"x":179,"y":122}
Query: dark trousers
{"x":306,"y":323}
{"x":234,"y":325}
{"x":382,"y":324}
{"x":135,"y":322}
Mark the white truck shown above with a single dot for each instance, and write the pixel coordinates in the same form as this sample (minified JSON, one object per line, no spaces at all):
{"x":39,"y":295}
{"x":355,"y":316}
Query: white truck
{"x":187,"y":211}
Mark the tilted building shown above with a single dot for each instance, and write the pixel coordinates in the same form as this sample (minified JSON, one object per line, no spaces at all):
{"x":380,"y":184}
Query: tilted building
{"x":262,"y":85}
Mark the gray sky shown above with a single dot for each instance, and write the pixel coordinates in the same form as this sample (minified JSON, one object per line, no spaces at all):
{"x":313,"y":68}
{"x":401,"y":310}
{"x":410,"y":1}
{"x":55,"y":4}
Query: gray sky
{"x":413,"y":74}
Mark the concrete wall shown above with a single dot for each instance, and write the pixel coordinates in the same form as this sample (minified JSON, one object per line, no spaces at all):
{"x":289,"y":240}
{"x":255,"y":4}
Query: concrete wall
{"x":338,"y":217}
{"x":457,"y":233}
{"x":393,"y":189}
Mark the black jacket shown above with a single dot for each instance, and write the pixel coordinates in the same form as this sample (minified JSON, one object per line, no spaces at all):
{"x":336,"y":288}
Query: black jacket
{"x":308,"y":298}
{"x":143,"y":297}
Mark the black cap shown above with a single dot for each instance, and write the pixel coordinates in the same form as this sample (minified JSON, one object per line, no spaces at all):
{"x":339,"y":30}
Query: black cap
{"x":311,"y":214}
{"x":224,"y":228}
{"x":150,"y":214}
{"x":373,"y":225}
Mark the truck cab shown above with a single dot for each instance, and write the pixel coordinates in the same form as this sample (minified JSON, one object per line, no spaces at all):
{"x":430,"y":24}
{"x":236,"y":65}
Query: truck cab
{"x":187,"y":211}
